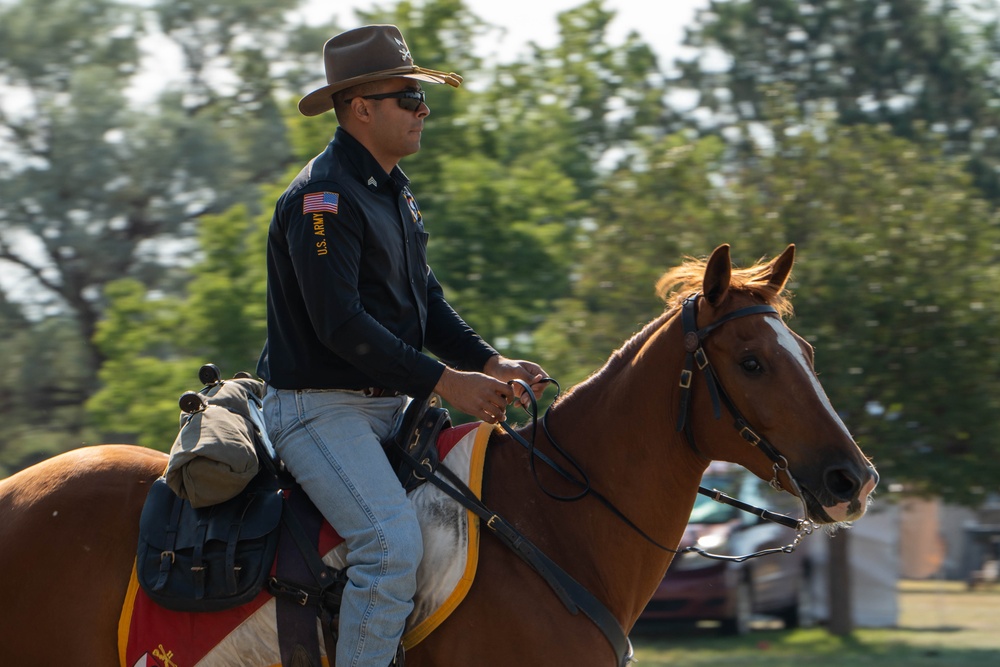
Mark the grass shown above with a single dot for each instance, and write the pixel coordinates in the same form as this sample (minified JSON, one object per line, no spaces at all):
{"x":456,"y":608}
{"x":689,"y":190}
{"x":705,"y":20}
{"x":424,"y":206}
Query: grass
{"x":941,"y":624}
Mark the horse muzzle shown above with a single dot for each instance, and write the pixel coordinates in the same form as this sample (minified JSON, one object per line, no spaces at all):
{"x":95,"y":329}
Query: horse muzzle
{"x":844,"y":496}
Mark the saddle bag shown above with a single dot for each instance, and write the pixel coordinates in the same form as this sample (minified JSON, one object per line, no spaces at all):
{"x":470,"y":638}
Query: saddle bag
{"x":196,"y":555}
{"x":208,"y":558}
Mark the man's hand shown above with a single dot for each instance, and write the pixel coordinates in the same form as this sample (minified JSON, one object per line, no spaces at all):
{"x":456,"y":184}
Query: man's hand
{"x":476,"y":394}
{"x":506,"y":370}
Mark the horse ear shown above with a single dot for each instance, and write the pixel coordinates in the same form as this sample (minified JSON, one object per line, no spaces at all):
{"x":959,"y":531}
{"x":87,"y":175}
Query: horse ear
{"x":781,"y":268}
{"x":718,"y":272}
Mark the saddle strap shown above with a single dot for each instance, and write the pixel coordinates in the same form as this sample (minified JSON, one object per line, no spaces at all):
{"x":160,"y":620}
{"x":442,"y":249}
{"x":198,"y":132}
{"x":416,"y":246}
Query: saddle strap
{"x":570,"y":592}
{"x":298,"y":606}
{"x":167,"y":555}
{"x":232,"y":569}
{"x":198,"y":564}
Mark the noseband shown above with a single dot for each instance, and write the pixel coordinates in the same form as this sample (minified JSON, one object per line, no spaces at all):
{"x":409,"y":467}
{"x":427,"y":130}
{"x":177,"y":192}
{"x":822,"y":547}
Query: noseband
{"x":696,"y":356}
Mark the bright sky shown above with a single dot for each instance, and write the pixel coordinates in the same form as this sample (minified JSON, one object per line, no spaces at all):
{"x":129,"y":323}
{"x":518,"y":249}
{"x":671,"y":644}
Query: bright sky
{"x":660,"y":23}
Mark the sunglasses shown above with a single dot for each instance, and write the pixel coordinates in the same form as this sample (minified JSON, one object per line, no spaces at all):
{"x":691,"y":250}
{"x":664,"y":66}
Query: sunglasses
{"x":407,"y":99}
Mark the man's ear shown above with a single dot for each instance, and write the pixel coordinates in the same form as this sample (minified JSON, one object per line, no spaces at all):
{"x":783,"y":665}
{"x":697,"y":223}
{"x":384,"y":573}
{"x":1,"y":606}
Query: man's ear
{"x":359,"y":109}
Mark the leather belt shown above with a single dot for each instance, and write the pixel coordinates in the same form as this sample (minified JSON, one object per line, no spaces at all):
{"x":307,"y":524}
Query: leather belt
{"x":380,"y":392}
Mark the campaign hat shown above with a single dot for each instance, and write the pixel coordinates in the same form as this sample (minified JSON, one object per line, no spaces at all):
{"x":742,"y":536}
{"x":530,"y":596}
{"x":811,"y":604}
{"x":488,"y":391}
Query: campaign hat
{"x":368,"y":53}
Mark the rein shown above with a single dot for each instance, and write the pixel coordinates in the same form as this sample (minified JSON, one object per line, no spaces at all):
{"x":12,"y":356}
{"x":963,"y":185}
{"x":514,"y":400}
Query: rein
{"x":802,"y":526}
{"x":696,"y":355}
{"x":571,"y":593}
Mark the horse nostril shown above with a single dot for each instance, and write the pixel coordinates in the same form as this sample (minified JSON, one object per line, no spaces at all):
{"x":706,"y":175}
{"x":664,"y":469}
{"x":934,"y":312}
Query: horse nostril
{"x":842,"y":483}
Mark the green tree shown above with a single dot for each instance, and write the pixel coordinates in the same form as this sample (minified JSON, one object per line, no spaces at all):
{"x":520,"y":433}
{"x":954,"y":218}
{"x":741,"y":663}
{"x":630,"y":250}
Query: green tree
{"x":103,"y":176}
{"x":154,"y":343}
{"x":39,"y":380}
{"x":519,"y":184}
{"x":92,"y":188}
{"x":910,"y":64}
{"x":644,"y":220}
{"x":897,"y":289}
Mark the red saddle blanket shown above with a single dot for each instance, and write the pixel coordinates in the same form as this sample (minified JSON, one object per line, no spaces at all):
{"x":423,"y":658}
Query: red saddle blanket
{"x":151,"y":636}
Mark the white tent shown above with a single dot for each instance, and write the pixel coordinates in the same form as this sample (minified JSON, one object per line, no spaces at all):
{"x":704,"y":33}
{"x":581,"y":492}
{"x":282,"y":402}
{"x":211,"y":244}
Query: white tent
{"x":874,"y":572}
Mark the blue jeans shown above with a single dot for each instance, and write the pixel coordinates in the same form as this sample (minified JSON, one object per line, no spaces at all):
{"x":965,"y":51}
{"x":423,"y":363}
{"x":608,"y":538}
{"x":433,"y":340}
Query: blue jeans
{"x":330,"y":442}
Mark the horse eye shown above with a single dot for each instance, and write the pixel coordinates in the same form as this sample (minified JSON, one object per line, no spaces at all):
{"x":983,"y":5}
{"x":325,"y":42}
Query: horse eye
{"x":751,"y":365}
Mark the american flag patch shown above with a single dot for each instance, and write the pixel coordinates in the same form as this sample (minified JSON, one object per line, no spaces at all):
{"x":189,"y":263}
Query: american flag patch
{"x":320,"y":201}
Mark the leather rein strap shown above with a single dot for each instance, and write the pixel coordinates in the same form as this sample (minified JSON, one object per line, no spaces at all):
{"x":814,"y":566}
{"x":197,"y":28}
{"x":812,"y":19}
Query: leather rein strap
{"x":574,"y":595}
{"x":570,"y":592}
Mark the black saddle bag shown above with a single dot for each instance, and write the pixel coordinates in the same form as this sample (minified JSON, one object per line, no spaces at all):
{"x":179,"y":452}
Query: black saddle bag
{"x":216,"y":556}
{"x":210,"y":558}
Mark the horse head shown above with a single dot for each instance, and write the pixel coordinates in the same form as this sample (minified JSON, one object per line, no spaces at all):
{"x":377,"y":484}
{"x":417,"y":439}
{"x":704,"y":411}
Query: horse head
{"x":752,"y":395}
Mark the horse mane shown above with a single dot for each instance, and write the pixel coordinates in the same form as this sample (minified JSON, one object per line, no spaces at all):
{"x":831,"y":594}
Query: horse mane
{"x":680,"y":282}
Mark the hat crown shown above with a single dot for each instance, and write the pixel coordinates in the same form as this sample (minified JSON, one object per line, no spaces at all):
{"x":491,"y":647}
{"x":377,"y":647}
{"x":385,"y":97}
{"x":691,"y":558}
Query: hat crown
{"x":366,"y":50}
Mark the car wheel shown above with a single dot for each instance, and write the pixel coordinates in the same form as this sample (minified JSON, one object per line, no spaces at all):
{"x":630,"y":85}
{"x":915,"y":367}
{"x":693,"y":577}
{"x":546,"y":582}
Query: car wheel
{"x":802,"y":613}
{"x":739,"y":622}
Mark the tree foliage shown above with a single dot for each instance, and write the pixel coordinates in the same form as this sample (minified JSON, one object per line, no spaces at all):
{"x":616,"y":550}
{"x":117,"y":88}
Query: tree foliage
{"x":155,"y":343}
{"x":908,"y":64}
{"x":96,"y":187}
{"x":553,"y":189}
{"x":896,"y":287}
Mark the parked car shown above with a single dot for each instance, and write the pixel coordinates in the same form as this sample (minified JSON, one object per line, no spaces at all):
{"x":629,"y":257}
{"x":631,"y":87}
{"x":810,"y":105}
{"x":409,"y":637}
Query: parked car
{"x":697,"y":588}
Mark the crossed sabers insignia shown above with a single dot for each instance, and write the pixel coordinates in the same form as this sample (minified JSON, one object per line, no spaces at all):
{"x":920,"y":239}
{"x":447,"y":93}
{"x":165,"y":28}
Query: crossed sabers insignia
{"x":403,"y":51}
{"x":165,"y":656}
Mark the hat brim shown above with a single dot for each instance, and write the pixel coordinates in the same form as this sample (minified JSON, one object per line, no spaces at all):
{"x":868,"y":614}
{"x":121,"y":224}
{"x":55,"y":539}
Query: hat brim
{"x":321,"y":99}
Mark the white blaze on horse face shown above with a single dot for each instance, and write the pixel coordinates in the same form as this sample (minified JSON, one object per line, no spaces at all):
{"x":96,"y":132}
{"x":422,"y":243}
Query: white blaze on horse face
{"x":840,"y":511}
{"x":787,"y":341}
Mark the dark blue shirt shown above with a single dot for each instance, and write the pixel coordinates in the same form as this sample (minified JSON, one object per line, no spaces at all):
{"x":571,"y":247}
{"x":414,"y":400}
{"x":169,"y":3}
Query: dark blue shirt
{"x":351,"y":301}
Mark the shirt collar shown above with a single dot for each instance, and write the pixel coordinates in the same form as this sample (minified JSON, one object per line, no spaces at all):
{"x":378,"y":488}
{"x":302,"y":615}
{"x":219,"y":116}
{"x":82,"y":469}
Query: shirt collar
{"x":366,"y":168}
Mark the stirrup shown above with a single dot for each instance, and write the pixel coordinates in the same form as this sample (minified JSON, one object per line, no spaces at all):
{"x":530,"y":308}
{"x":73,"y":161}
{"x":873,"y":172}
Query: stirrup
{"x":400,"y":658}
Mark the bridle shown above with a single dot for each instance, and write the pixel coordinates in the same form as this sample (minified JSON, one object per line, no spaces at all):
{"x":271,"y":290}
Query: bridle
{"x":696,"y":356}
{"x":570,"y":592}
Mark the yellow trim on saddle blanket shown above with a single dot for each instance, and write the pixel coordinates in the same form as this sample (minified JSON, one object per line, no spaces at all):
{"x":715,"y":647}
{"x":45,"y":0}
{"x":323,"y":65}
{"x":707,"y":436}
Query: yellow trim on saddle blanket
{"x":432,"y":617}
{"x":125,"y":620}
{"x":429,"y":624}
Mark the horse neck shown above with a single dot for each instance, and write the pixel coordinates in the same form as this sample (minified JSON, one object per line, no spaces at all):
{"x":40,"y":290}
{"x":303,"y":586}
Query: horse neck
{"x":619,"y":425}
{"x":625,"y":415}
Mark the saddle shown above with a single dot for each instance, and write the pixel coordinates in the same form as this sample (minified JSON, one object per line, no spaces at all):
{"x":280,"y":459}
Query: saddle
{"x":416,"y":441}
{"x":220,"y":556}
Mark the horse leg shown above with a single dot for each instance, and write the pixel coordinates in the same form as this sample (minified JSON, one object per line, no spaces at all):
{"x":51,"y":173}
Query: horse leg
{"x":67,"y":545}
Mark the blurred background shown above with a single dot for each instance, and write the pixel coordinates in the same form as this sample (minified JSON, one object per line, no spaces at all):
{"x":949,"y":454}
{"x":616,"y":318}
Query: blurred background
{"x":143,"y":143}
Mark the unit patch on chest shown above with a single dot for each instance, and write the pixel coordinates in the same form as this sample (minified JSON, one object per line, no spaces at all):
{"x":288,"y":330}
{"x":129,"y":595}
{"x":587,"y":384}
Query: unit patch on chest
{"x":412,"y":204}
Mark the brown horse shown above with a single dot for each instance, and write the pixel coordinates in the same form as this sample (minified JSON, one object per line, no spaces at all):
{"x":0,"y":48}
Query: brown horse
{"x":69,"y":525}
